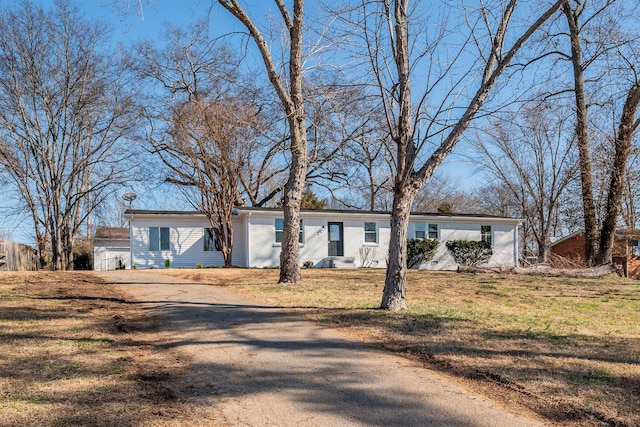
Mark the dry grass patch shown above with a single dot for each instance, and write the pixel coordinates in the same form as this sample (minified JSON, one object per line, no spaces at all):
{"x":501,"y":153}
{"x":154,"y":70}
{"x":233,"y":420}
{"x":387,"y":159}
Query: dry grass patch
{"x":567,"y":348}
{"x":76,"y":352}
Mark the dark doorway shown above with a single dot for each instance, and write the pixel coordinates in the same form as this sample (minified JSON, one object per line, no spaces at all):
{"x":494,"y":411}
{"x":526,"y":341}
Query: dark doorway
{"x":336,"y":240}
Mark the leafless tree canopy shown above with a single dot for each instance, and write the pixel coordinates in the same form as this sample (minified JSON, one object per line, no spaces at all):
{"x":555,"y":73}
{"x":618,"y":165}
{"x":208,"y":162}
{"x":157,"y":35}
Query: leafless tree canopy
{"x":595,"y":44}
{"x":203,"y":123}
{"x":289,"y":89}
{"x":433,"y":69}
{"x":64,"y":112}
{"x":532,"y":154}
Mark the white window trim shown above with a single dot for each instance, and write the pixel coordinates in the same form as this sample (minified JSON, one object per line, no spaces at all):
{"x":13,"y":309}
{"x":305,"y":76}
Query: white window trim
{"x":437,"y":231}
{"x":302,"y":237}
{"x":490,"y":234}
{"x":275,"y":232}
{"x":364,"y":236}
{"x":159,"y":250}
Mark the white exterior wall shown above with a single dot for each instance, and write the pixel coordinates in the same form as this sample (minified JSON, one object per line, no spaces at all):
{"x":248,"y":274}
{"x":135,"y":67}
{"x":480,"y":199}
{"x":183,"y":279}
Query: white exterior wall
{"x":186,"y":236}
{"x":255,"y":245}
{"x":265,"y":251}
{"x":504,"y":247}
{"x":107,"y":251}
{"x":503,"y":238}
{"x":354,"y":240}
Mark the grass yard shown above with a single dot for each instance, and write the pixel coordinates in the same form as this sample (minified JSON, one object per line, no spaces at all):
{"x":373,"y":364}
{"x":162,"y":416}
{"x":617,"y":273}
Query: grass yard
{"x":74,"y":352}
{"x":569,"y":349}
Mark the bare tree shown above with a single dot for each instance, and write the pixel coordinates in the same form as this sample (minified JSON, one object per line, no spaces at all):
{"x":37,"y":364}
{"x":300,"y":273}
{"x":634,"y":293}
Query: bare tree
{"x":371,"y":162}
{"x":401,"y":39}
{"x":204,"y":150}
{"x":64,"y":110}
{"x":441,"y":190}
{"x":628,"y":125}
{"x":531,"y":153}
{"x":291,"y":96}
{"x":210,"y":138}
{"x":348,"y":142}
{"x":599,"y":49}
{"x":573,"y":16}
{"x":265,"y":168}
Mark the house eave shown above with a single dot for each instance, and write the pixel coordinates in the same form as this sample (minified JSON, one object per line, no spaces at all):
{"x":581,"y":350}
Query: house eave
{"x":331,"y":213}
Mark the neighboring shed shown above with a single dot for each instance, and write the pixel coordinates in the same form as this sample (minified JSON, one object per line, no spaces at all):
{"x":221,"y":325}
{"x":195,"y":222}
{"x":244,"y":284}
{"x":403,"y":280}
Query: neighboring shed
{"x":626,"y":250}
{"x":17,"y":257}
{"x":111,"y":248}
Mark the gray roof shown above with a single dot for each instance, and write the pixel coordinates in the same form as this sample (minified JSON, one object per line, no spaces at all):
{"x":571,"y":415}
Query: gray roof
{"x":338,"y":211}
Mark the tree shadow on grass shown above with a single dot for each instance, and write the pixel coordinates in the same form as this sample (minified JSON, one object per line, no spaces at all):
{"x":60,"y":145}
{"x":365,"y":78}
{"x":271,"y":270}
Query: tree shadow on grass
{"x":434,"y":340}
{"x":519,"y":360}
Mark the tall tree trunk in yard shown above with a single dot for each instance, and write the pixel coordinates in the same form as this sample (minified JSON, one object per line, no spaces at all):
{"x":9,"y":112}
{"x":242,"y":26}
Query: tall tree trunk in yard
{"x":394,"y":294}
{"x":626,"y":129}
{"x":292,"y":197}
{"x":408,"y":180}
{"x":588,"y":202}
{"x":292,"y":100}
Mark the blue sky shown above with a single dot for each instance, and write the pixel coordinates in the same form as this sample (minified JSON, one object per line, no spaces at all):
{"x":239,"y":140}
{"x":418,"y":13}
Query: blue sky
{"x":130,"y":25}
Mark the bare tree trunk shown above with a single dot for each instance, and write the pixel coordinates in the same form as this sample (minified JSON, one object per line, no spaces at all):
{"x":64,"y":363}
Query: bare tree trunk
{"x":394,"y":294}
{"x":292,"y":101}
{"x":290,"y":250}
{"x":628,"y":125}
{"x":588,"y":202}
{"x":228,"y":261}
{"x":292,"y":197}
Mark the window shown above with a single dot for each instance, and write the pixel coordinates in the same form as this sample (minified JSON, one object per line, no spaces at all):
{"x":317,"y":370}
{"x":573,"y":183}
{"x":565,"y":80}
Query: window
{"x":370,"y":232}
{"x":485,"y":233}
{"x":210,"y":242}
{"x":433,"y":231}
{"x":636,"y":249}
{"x":426,"y":231}
{"x":159,"y":239}
{"x":280,"y":228}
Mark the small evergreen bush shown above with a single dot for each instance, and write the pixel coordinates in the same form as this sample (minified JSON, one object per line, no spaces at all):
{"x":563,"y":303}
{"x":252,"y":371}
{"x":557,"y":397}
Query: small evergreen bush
{"x":470,"y":252}
{"x":420,"y":250}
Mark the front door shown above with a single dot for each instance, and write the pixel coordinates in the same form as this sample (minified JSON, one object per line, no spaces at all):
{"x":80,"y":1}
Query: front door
{"x":336,"y":242}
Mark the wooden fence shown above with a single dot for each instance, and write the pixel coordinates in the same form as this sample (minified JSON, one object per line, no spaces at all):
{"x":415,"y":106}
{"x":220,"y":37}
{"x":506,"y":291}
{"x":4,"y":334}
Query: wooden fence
{"x":16,"y":256}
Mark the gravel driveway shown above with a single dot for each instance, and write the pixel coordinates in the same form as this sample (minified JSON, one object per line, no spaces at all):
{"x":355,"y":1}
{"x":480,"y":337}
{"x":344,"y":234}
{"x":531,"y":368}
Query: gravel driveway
{"x":268,"y":366}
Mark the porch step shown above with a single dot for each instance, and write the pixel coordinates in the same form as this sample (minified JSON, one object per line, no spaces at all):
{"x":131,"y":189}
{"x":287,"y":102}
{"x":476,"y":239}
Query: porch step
{"x":339,"y":262}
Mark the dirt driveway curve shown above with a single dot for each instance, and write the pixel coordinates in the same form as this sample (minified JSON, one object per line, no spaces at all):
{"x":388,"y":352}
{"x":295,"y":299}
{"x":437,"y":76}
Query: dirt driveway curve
{"x":270,"y":367}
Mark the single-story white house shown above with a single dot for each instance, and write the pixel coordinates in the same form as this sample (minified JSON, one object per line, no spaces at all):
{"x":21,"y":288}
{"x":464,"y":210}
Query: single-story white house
{"x":333,"y":238}
{"x":111,"y":248}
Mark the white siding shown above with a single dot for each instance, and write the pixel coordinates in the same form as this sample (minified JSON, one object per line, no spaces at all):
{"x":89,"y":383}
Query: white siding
{"x":107,"y":252}
{"x":354,"y":240}
{"x":186,"y":237}
{"x":255,"y":245}
{"x":504,"y":246}
{"x":265,"y":251}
